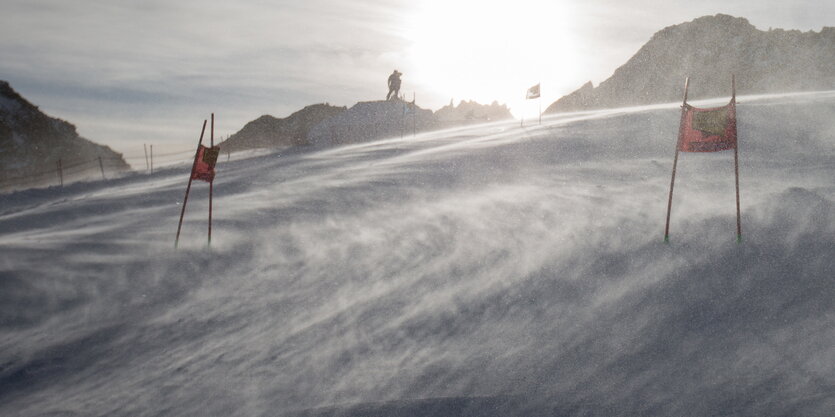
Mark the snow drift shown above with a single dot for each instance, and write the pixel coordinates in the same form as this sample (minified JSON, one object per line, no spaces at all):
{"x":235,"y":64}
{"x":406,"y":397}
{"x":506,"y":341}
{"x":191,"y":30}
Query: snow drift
{"x":488,"y":270}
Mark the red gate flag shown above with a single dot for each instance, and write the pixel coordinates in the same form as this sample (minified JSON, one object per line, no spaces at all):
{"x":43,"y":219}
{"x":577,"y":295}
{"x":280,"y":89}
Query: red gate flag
{"x":533,"y":92}
{"x":708,"y":130}
{"x":204,"y":168}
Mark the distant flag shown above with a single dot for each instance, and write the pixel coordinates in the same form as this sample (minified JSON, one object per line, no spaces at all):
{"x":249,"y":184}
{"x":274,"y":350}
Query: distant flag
{"x":533,"y":92}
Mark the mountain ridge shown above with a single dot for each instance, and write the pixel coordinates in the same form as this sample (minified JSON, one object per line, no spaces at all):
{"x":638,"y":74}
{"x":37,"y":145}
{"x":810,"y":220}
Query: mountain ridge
{"x":709,"y":49}
{"x":326,"y":125}
{"x":270,"y":132}
{"x":32,"y":142}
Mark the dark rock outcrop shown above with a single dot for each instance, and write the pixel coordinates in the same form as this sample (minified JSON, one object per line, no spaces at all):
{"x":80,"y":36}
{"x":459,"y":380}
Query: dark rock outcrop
{"x":32,"y":143}
{"x":471,"y":112}
{"x":325,"y":125}
{"x":708,"y":50}
{"x":271,"y":132}
{"x":370,"y":120}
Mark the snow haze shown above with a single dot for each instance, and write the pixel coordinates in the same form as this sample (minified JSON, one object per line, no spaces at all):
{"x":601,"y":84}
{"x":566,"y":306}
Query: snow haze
{"x":489,"y":270}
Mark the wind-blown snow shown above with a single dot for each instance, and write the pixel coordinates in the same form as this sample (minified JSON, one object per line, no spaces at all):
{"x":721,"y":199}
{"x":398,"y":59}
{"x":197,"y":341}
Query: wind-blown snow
{"x":488,"y":270}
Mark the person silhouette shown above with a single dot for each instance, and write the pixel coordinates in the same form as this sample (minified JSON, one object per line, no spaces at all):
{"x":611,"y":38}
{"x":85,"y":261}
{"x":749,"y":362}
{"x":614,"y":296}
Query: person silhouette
{"x":394,"y":85}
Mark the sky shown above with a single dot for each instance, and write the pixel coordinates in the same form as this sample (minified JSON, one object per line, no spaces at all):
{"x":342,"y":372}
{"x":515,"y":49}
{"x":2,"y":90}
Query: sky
{"x":127,"y":73}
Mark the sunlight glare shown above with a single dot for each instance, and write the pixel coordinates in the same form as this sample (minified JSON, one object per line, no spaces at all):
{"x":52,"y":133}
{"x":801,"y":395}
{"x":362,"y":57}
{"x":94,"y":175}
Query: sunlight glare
{"x":493,"y":50}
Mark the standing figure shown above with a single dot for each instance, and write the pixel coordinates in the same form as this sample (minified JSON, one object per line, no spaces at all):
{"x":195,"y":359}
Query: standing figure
{"x":394,"y":85}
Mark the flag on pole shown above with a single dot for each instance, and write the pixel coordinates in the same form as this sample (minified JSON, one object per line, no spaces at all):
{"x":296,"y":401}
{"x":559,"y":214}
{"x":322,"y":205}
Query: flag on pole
{"x":533,"y":92}
{"x":204,"y":167}
{"x":708,"y":130}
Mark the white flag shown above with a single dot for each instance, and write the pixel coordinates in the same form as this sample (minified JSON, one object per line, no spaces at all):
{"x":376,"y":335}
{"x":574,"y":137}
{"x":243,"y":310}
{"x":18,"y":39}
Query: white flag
{"x":533,"y":92}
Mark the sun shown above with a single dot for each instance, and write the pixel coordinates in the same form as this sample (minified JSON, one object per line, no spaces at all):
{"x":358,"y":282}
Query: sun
{"x":492,"y":50}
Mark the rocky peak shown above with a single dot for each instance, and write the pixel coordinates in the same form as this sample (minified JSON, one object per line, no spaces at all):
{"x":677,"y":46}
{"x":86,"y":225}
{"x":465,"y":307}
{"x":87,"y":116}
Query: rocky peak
{"x":272,"y":132}
{"x":31,"y":141}
{"x":472,"y":112}
{"x":709,"y":50}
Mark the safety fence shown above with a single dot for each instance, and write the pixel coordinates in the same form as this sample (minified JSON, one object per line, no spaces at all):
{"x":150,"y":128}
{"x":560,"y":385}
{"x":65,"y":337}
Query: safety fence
{"x":98,"y":168}
{"x":165,"y":159}
{"x":64,"y":171}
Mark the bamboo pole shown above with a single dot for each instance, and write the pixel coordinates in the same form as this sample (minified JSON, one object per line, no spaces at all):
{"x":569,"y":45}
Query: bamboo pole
{"x":736,"y":172}
{"x":211,"y":183}
{"x":736,"y":163}
{"x":147,"y":166}
{"x":675,"y":162}
{"x":188,"y":188}
{"x":101,"y":166}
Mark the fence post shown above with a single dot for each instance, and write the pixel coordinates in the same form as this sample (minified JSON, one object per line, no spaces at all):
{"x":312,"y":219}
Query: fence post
{"x":60,"y":173}
{"x":102,"y":169}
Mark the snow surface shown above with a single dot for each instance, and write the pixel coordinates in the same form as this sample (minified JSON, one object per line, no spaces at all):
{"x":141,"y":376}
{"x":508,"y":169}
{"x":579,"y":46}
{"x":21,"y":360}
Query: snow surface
{"x":482,"y":271}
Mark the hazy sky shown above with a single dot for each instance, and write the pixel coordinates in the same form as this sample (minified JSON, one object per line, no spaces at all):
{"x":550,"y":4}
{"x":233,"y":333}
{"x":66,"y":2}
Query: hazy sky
{"x":134,"y":72}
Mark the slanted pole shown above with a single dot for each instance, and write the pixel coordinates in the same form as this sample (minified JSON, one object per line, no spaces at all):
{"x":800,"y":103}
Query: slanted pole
{"x":736,"y":166}
{"x":212,"y":139}
{"x":188,"y":188}
{"x":152,"y":159}
{"x":147,"y":166}
{"x":675,"y":162}
{"x":102,"y":169}
{"x":670,"y":200}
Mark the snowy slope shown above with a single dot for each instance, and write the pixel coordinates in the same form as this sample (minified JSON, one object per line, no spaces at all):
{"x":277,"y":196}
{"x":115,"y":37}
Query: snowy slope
{"x":482,"y":271}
